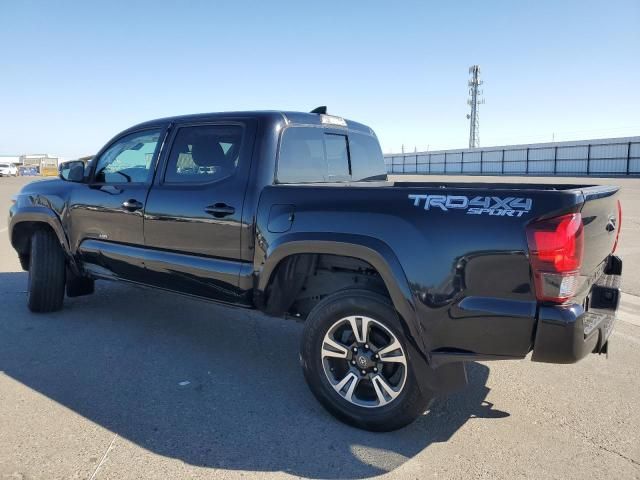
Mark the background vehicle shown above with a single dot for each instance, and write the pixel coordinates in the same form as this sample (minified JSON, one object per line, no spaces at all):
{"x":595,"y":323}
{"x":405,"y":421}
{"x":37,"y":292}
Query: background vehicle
{"x":8,"y":170}
{"x":291,"y":213}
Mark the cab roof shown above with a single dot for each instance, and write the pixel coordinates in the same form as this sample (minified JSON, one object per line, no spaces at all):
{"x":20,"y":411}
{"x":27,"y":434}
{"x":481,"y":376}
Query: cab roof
{"x":290,"y":118}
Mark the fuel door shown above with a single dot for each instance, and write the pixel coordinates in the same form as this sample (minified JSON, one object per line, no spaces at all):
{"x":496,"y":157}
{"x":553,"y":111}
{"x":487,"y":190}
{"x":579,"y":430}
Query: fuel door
{"x":281,"y":218}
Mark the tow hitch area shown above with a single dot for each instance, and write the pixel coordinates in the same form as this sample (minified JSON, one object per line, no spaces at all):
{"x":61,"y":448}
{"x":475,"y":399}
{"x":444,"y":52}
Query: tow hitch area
{"x":567,"y":333}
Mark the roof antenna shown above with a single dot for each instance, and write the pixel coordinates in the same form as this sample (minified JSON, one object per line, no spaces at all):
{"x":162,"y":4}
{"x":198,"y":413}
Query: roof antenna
{"x":320,"y":110}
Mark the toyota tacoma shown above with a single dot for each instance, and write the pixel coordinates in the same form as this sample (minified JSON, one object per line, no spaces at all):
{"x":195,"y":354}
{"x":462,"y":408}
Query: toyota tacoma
{"x":399,"y":284}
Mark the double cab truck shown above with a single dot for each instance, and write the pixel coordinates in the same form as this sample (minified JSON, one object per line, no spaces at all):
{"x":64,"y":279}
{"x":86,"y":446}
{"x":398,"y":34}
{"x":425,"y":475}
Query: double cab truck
{"x":399,"y":284}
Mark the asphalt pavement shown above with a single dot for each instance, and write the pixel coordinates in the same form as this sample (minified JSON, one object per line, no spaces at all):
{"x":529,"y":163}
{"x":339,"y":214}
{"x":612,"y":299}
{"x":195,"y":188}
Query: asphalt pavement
{"x":131,"y":383}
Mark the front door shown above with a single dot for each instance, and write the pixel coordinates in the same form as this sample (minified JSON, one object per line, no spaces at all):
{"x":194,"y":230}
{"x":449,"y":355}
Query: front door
{"x":106,"y":214}
{"x":193,"y":215}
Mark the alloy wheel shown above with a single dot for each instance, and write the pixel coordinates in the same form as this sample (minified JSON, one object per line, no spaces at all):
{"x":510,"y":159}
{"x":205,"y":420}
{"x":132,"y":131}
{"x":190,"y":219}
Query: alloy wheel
{"x":364,"y":362}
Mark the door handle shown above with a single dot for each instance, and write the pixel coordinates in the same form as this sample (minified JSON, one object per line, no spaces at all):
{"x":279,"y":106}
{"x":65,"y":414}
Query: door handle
{"x":220,"y":210}
{"x":132,"y":205}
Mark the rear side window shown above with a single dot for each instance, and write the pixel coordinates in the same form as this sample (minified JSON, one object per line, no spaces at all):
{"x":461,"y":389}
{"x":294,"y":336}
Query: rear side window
{"x":310,"y":154}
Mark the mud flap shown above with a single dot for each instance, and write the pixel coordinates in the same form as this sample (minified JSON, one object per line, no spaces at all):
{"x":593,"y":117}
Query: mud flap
{"x":451,"y":377}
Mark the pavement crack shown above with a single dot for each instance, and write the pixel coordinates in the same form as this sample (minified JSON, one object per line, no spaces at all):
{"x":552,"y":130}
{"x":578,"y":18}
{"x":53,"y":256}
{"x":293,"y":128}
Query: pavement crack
{"x":104,"y":457}
{"x":601,"y":447}
{"x":629,"y":459}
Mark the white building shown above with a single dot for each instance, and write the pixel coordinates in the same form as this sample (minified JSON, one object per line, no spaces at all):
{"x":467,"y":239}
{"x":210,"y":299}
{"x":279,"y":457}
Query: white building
{"x":15,"y":159}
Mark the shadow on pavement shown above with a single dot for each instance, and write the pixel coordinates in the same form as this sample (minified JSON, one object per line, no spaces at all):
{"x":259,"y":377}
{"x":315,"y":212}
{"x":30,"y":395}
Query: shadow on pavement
{"x":118,"y":358}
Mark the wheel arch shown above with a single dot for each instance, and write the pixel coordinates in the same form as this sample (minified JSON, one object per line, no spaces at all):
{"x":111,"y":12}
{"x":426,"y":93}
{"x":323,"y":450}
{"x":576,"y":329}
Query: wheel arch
{"x":370,"y":250}
{"x":26,"y":221}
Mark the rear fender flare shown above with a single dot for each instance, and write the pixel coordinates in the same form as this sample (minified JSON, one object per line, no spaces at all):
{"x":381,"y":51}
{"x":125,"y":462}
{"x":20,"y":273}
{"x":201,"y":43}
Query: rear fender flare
{"x":371,"y":250}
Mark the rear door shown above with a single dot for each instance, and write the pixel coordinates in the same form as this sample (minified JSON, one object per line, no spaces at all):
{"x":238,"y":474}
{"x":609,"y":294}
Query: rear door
{"x":193,"y":215}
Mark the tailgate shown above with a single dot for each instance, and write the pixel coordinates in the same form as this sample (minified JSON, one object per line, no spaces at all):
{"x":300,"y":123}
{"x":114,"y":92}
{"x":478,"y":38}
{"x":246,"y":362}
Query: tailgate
{"x":568,"y":332}
{"x":601,"y":219}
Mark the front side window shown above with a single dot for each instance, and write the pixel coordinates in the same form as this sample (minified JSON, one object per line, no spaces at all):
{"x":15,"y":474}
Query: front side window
{"x":204,"y":153}
{"x":129,"y":159}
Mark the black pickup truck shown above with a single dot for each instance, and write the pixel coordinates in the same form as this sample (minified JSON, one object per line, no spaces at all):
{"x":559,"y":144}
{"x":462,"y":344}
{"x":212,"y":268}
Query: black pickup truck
{"x":399,"y":284}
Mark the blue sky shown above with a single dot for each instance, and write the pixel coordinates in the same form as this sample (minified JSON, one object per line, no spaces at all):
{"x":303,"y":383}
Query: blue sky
{"x":72,"y":74}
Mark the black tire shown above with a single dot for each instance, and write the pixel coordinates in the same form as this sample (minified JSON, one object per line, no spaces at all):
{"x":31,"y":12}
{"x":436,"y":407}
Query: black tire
{"x":412,"y":400}
{"x":46,"y":273}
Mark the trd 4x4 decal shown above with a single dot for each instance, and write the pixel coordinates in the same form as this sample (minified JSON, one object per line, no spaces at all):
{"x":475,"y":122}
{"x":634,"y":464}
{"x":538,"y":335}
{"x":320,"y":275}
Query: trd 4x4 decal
{"x":496,"y":206}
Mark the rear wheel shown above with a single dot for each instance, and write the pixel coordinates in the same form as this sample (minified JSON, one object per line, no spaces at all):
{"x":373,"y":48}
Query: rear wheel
{"x":355,"y":359}
{"x":46,"y":273}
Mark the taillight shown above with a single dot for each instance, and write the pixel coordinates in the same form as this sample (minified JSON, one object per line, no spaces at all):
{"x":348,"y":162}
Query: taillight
{"x":615,"y":245}
{"x":556,"y":246}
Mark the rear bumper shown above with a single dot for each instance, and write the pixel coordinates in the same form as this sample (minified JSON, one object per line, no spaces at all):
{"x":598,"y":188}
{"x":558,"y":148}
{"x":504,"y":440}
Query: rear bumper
{"x":567,"y":333}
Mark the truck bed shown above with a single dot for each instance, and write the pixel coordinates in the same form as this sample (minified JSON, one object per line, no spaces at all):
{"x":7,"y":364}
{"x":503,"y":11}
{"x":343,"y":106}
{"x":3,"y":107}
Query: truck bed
{"x":497,"y":186}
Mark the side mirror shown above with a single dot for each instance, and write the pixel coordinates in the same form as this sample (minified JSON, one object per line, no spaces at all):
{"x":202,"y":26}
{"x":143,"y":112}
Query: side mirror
{"x":72,"y":171}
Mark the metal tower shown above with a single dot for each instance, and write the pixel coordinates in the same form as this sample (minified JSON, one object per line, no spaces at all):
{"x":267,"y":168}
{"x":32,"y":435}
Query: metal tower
{"x":474,"y":101}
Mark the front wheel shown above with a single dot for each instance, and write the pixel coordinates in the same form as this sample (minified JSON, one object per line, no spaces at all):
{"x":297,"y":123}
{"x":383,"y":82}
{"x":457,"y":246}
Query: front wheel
{"x":46,"y":273}
{"x":356,"y":362}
